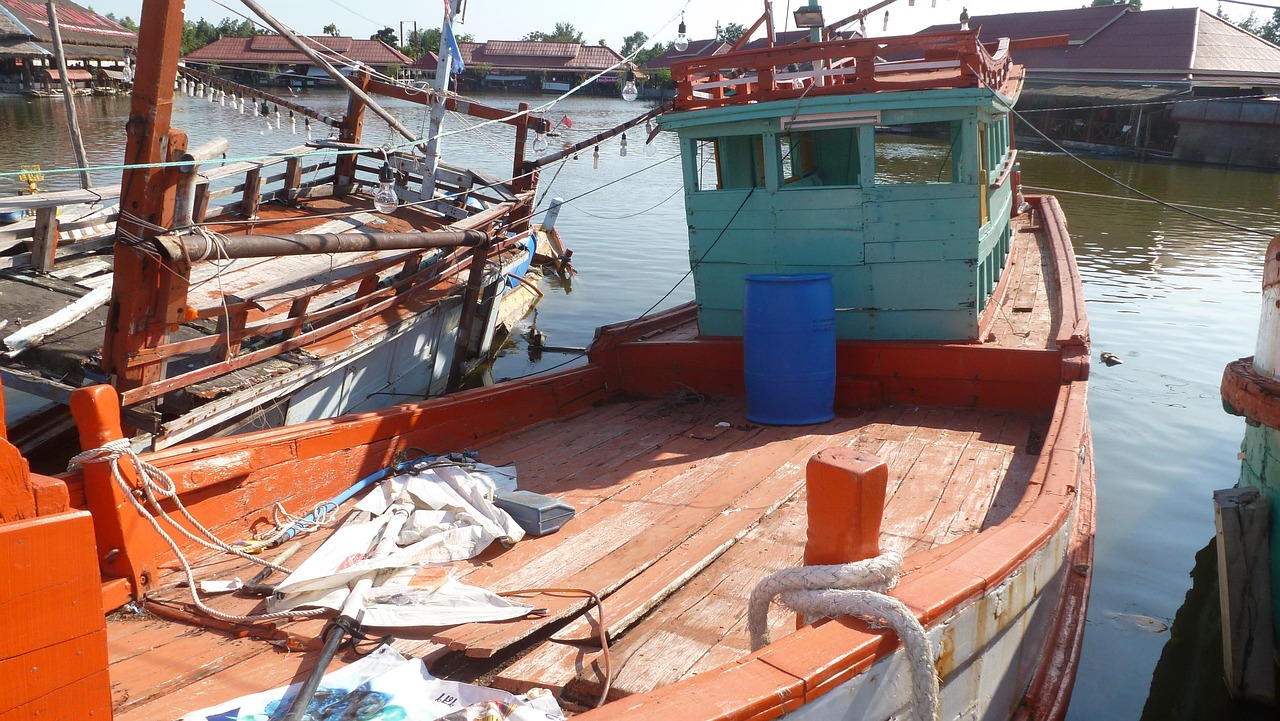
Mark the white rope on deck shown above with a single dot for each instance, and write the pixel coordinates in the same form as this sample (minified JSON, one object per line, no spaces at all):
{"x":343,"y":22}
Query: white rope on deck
{"x":853,"y":589}
{"x":156,"y":484}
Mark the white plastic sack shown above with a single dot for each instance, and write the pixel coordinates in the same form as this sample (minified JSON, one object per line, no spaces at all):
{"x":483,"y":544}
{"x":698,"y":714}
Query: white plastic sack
{"x":384,"y":686}
{"x":453,"y":519}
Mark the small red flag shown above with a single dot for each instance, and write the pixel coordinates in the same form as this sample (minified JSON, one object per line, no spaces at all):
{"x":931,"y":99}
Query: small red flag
{"x":565,"y":121}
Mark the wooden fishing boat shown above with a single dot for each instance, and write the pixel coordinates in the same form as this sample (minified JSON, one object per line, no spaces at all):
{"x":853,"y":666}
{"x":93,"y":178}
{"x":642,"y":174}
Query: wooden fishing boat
{"x":957,"y":438}
{"x":270,"y":291}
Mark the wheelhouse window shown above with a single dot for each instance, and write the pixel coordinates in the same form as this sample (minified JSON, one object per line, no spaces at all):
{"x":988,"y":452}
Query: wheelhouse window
{"x":730,"y":162}
{"x":917,"y":153}
{"x":819,"y":157}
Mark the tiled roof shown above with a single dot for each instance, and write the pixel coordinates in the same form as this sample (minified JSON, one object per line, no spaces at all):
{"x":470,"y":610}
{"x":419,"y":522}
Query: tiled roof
{"x":273,"y":43}
{"x":1079,"y":24}
{"x":79,"y":25}
{"x":1173,"y":45}
{"x":426,"y":61}
{"x":696,"y":49}
{"x":585,"y":58}
{"x":1221,"y":48}
{"x":530,"y":48}
{"x":275,"y":50}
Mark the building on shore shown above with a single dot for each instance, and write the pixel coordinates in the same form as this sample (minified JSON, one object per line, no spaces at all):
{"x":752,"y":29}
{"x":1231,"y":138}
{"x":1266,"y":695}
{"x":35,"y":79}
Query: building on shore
{"x":90,"y":41}
{"x":539,"y":66}
{"x":271,"y":59}
{"x":1180,"y":83}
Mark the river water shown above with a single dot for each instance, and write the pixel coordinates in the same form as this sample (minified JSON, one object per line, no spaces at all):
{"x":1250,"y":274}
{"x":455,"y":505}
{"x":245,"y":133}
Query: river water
{"x":1172,"y":296}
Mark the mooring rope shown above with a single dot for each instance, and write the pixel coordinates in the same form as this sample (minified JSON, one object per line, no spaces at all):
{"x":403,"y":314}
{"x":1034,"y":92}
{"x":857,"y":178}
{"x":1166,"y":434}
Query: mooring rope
{"x":853,"y":589}
{"x":156,"y":484}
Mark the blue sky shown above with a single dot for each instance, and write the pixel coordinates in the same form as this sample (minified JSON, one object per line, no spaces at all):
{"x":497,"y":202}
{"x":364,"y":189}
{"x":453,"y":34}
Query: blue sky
{"x":610,"y":20}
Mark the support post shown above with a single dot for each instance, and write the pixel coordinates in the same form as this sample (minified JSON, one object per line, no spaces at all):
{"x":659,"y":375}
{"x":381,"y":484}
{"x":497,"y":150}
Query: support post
{"x":147,"y":298}
{"x":349,"y":132}
{"x":252,"y":193}
{"x":466,"y":319}
{"x":73,"y":121}
{"x":44,"y":248}
{"x":1244,"y":592}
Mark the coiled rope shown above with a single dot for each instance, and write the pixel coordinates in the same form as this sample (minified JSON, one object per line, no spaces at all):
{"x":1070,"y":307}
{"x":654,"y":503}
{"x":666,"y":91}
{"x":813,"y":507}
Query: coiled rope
{"x":853,"y":589}
{"x":156,"y":484}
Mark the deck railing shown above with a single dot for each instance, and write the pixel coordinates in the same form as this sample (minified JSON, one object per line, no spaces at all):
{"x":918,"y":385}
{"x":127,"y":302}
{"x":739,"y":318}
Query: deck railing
{"x":927,"y":60}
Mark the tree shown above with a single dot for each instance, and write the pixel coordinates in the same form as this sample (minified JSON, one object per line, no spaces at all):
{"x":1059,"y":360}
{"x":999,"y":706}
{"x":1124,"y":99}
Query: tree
{"x":331,"y":30}
{"x":633,"y":42}
{"x":126,"y":22}
{"x":196,"y":35}
{"x":564,"y":33}
{"x":388,"y":36}
{"x":732,"y":32}
{"x":423,"y":41}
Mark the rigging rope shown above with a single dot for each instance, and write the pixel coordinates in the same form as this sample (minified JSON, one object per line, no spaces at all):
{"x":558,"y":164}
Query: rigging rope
{"x":155,"y":485}
{"x":856,"y":589}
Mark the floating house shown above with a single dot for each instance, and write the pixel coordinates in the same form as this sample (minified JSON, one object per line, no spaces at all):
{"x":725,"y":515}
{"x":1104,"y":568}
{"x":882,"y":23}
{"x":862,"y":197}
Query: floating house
{"x":26,"y":44}
{"x":1179,"y":83}
{"x":263,"y":59}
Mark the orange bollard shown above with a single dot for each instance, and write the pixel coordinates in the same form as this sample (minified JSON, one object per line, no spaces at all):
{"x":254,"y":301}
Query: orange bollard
{"x":127,"y":545}
{"x":846,"y":491}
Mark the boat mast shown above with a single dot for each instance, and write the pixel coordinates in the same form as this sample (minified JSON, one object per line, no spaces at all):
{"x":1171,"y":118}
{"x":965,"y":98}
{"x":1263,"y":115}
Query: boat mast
{"x":73,"y":122}
{"x":444,"y":68}
{"x":145,"y":299}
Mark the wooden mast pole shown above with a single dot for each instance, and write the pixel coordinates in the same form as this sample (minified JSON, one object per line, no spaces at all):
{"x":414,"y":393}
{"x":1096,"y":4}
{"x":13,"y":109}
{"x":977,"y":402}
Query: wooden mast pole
{"x":73,"y":122}
{"x":145,"y":296}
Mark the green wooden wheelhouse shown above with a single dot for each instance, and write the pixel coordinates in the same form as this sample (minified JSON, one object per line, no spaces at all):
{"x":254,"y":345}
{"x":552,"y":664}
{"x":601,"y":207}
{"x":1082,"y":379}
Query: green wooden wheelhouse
{"x":785,"y":172}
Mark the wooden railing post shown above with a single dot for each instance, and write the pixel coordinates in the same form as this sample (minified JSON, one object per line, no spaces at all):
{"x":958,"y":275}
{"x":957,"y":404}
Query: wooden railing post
{"x":252,"y":193}
{"x":349,"y":132}
{"x":292,"y":178}
{"x":44,"y":248}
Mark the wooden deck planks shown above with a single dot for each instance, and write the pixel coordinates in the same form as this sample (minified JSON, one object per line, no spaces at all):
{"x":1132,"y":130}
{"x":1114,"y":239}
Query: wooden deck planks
{"x":678,"y":520}
{"x":1025,"y":316}
{"x":645,"y":524}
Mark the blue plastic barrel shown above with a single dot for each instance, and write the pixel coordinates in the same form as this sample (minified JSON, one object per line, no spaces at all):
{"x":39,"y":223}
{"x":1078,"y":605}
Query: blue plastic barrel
{"x":789,"y":345}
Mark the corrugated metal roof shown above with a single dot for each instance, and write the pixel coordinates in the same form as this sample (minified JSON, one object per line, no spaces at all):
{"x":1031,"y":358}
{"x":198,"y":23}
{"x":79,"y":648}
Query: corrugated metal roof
{"x":254,"y":51}
{"x":75,"y":75}
{"x":586,"y":58}
{"x":79,"y":25}
{"x":531,"y":49}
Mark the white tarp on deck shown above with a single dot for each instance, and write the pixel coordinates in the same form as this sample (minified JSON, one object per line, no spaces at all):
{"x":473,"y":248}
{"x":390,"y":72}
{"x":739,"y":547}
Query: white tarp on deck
{"x":449,"y":516}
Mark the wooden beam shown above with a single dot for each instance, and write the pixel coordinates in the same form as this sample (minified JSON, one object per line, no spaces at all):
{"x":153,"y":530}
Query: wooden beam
{"x":252,"y":193}
{"x":1244,"y":591}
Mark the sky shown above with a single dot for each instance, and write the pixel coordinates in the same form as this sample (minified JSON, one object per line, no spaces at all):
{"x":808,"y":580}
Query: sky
{"x":612,"y":20}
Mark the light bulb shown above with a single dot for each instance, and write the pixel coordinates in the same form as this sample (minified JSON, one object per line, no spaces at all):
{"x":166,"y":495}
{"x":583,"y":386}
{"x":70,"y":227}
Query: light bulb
{"x":622,"y":146}
{"x":385,"y":200}
{"x":629,"y":91}
{"x":595,"y":158}
{"x":682,"y":37}
{"x":650,"y":149}
{"x":540,"y":144}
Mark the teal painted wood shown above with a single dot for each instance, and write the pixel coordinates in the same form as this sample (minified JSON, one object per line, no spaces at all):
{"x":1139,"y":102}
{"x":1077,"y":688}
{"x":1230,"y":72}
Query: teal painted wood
{"x":1260,"y":468}
{"x":908,"y":260}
